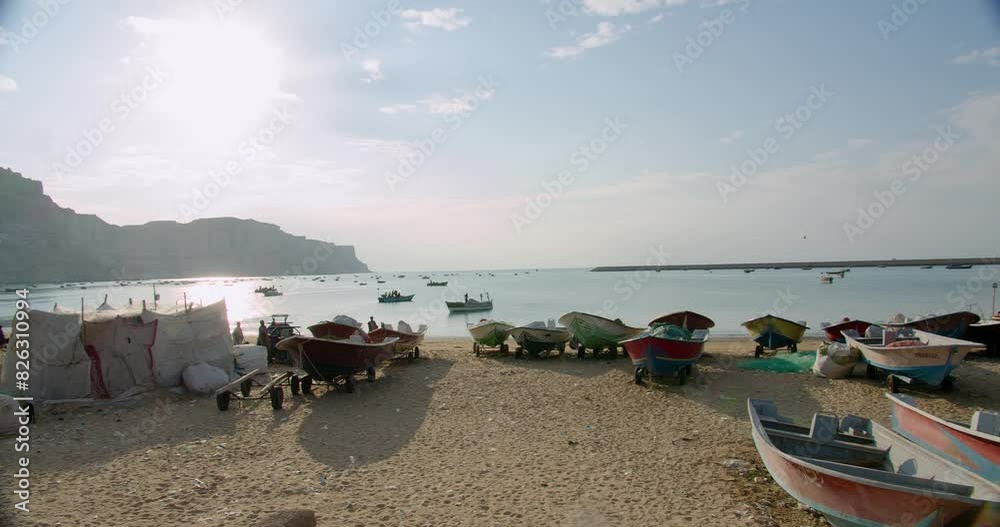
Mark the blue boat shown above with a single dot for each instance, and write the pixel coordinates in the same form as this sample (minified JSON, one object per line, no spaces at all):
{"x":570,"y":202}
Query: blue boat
{"x":924,"y":357}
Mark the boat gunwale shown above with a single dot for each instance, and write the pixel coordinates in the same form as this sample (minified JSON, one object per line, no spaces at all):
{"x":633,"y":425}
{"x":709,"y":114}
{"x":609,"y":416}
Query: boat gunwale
{"x":956,"y":343}
{"x":744,"y":324}
{"x":958,"y":427}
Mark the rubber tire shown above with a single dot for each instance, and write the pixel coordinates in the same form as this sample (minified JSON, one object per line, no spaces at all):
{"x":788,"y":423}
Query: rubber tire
{"x":893,"y":383}
{"x":871,"y":371}
{"x":562,"y":349}
{"x":416,"y":352}
{"x":794,"y":348}
{"x":518,"y":352}
{"x":682,"y":376}
{"x":639,"y":376}
{"x":475,"y":348}
{"x":758,"y":351}
{"x":222,"y":401}
{"x":581,"y":352}
{"x":307,"y":385}
{"x":948,"y":384}
{"x":612,"y":352}
{"x":370,"y":372}
{"x":277,"y":397}
{"x":245,"y":387}
{"x":293,"y":383}
{"x":349,"y":384}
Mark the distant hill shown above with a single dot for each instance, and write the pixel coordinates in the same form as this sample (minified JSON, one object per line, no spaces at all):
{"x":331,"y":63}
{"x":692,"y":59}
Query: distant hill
{"x":43,"y":242}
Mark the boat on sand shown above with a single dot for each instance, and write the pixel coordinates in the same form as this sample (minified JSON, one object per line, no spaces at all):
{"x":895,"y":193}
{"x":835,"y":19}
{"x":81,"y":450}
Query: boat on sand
{"x":771,"y":332}
{"x":670,"y":346}
{"x":407,"y":340}
{"x":331,"y":361}
{"x":857,"y":473}
{"x":923,"y":357}
{"x":834,"y":332}
{"x":539,"y":337}
{"x":952,"y":325}
{"x":490,"y":334}
{"x":596,"y":333}
{"x":341,"y":327}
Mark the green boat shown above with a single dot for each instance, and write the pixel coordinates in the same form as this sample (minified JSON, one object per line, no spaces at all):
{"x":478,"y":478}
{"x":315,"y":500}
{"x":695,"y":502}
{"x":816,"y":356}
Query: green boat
{"x":490,"y":334}
{"x":596,"y":333}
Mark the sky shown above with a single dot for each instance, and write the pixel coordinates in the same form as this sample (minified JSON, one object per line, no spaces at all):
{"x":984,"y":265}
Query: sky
{"x":530,"y":133}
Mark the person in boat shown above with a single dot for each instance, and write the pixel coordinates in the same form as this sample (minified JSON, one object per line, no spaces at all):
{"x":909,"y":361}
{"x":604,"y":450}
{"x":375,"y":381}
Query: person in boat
{"x":238,"y":334}
{"x":372,"y":325}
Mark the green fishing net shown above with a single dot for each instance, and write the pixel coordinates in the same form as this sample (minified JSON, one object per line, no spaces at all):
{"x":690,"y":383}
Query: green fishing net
{"x":781,"y":362}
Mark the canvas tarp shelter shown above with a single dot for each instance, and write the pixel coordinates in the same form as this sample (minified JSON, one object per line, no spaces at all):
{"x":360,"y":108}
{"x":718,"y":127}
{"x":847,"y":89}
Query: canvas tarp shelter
{"x":188,"y":336}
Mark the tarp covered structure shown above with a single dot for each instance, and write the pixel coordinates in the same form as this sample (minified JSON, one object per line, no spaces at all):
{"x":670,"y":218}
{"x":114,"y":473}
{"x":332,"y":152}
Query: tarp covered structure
{"x":113,"y":351}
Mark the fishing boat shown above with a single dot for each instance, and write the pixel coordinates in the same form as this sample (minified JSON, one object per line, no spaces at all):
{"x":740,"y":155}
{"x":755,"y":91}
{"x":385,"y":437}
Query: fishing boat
{"x":975,"y":446}
{"x":469,"y":305}
{"x":748,"y":271}
{"x":839,"y":273}
{"x":859,"y":474}
{"x":272,"y":292}
{"x":490,"y":334}
{"x":986,"y":332}
{"x":596,"y":333}
{"x":952,"y":325}
{"x":341,"y":327}
{"x":432,"y":283}
{"x":826,"y":279}
{"x":407,"y":340}
{"x":538,"y":338}
{"x":331,"y":361}
{"x":924,"y":357}
{"x":958,"y":266}
{"x":392,"y":297}
{"x":771,"y":332}
{"x":927,"y":267}
{"x":834,"y":332}
{"x":670,"y":347}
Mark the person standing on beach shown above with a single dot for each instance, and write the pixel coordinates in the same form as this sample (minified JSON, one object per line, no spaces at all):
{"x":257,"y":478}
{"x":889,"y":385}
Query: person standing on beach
{"x":262,"y":334}
{"x":238,"y":334}
{"x":372,"y":325}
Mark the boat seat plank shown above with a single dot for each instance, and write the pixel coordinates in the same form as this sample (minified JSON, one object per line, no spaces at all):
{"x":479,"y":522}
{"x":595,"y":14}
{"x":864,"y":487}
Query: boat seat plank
{"x":797,"y":429}
{"x":798,"y":444}
{"x":893,"y":478}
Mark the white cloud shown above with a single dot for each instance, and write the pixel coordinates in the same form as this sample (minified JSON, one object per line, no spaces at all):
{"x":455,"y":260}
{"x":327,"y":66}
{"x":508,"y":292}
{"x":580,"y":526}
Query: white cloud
{"x":448,"y":19}
{"x":394,"y":109}
{"x":837,"y":153}
{"x":720,"y":3}
{"x":606,"y":33}
{"x":733,"y":137}
{"x":381,"y":146}
{"x":443,"y":105}
{"x":147,"y":27}
{"x":372,"y":69}
{"x":655,"y":19}
{"x":7,"y":84}
{"x":625,"y":7}
{"x":988,"y":56}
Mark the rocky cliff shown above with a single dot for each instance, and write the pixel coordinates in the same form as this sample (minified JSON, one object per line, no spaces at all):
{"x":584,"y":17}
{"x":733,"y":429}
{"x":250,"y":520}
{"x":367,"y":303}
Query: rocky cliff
{"x":43,"y":242}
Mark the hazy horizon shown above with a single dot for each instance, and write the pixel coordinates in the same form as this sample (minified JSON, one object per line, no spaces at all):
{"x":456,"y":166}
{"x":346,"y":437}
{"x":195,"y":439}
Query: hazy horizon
{"x":573,"y":134}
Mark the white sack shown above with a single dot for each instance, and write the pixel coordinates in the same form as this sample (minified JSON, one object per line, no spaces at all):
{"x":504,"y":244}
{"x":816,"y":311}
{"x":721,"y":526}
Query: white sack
{"x":204,"y":378}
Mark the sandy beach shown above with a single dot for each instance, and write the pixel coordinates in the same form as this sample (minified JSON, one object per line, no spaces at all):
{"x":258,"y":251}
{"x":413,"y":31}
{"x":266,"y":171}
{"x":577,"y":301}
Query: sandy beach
{"x":452,"y":439}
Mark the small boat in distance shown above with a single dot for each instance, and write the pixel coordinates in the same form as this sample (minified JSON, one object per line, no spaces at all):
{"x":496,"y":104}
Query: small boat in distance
{"x":272,"y":292}
{"x":975,"y":447}
{"x":924,"y":357}
{"x":857,"y":473}
{"x":432,"y":283}
{"x":596,"y":332}
{"x":490,"y":334}
{"x":748,"y":271}
{"x":671,"y":346}
{"x":470,"y":305}
{"x":394,"y":296}
{"x":840,"y":273}
{"x":958,"y":266}
{"x":771,"y":332}
{"x":826,"y":279}
{"x":927,"y":267}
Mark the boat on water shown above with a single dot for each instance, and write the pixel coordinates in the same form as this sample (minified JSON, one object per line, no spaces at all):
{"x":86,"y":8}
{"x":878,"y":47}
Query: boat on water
{"x":391,"y":297}
{"x":958,"y":266}
{"x":927,"y":267}
{"x":748,"y":271}
{"x":835,"y":332}
{"x":826,"y":279}
{"x":264,"y":290}
{"x":975,"y":446}
{"x":839,"y":273}
{"x":407,"y":340}
{"x":330,"y":361}
{"x":469,"y":305}
{"x":432,"y":283}
{"x":860,"y":474}
{"x":771,"y":332}
{"x":540,"y":337}
{"x":490,"y":334}
{"x":913,"y":355}
{"x":670,"y":346}
{"x":273,"y":292}
{"x":341,"y":327}
{"x":952,"y":325}
{"x":596,"y":333}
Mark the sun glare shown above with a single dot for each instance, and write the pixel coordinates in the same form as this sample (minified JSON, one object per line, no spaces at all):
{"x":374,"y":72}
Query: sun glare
{"x":220,"y":79}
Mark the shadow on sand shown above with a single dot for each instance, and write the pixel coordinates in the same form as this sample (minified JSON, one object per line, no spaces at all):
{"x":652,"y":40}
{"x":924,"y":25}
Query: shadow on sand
{"x":376,"y":421}
{"x":566,"y":364}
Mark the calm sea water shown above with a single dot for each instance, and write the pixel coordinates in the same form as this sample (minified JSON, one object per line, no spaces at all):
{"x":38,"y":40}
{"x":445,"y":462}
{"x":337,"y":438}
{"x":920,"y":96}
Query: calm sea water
{"x":729,"y":297}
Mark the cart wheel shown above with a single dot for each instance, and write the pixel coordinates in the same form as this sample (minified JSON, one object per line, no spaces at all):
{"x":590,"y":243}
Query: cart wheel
{"x":371,"y":374}
{"x":222,"y":401}
{"x":409,"y":356}
{"x":562,"y":349}
{"x":293,"y":383}
{"x":518,"y":351}
{"x":307,"y":385}
{"x":948,"y":384}
{"x":639,"y":376}
{"x":277,"y":397}
{"x":893,"y":383}
{"x":349,"y":384}
{"x":871,"y":371}
{"x":505,"y":348}
{"x":682,"y":376}
{"x":758,"y":351}
{"x":416,"y":352}
{"x":793,"y":348}
{"x":581,"y":352}
{"x":690,"y":369}
{"x":245,"y":388}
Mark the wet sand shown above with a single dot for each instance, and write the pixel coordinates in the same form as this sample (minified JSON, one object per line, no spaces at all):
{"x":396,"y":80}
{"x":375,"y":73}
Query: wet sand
{"x":451,"y":439}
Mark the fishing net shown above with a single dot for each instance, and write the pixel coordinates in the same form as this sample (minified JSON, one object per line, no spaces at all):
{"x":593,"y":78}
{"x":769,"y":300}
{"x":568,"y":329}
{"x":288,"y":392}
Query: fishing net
{"x":800,"y":362}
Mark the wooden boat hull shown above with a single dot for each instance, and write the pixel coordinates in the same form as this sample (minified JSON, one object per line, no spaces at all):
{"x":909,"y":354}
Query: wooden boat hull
{"x":395,"y":299}
{"x":835,"y":332}
{"x":536,"y":340}
{"x":774,"y":332}
{"x":929,"y":364}
{"x":325,"y":359}
{"x":596,"y":332}
{"x":976,"y":451}
{"x":987,"y":333}
{"x":662,"y":357}
{"x":849,"y":500}
{"x":490,"y":333}
{"x":405,"y":341}
{"x":953,"y":325}
{"x":332,"y":330}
